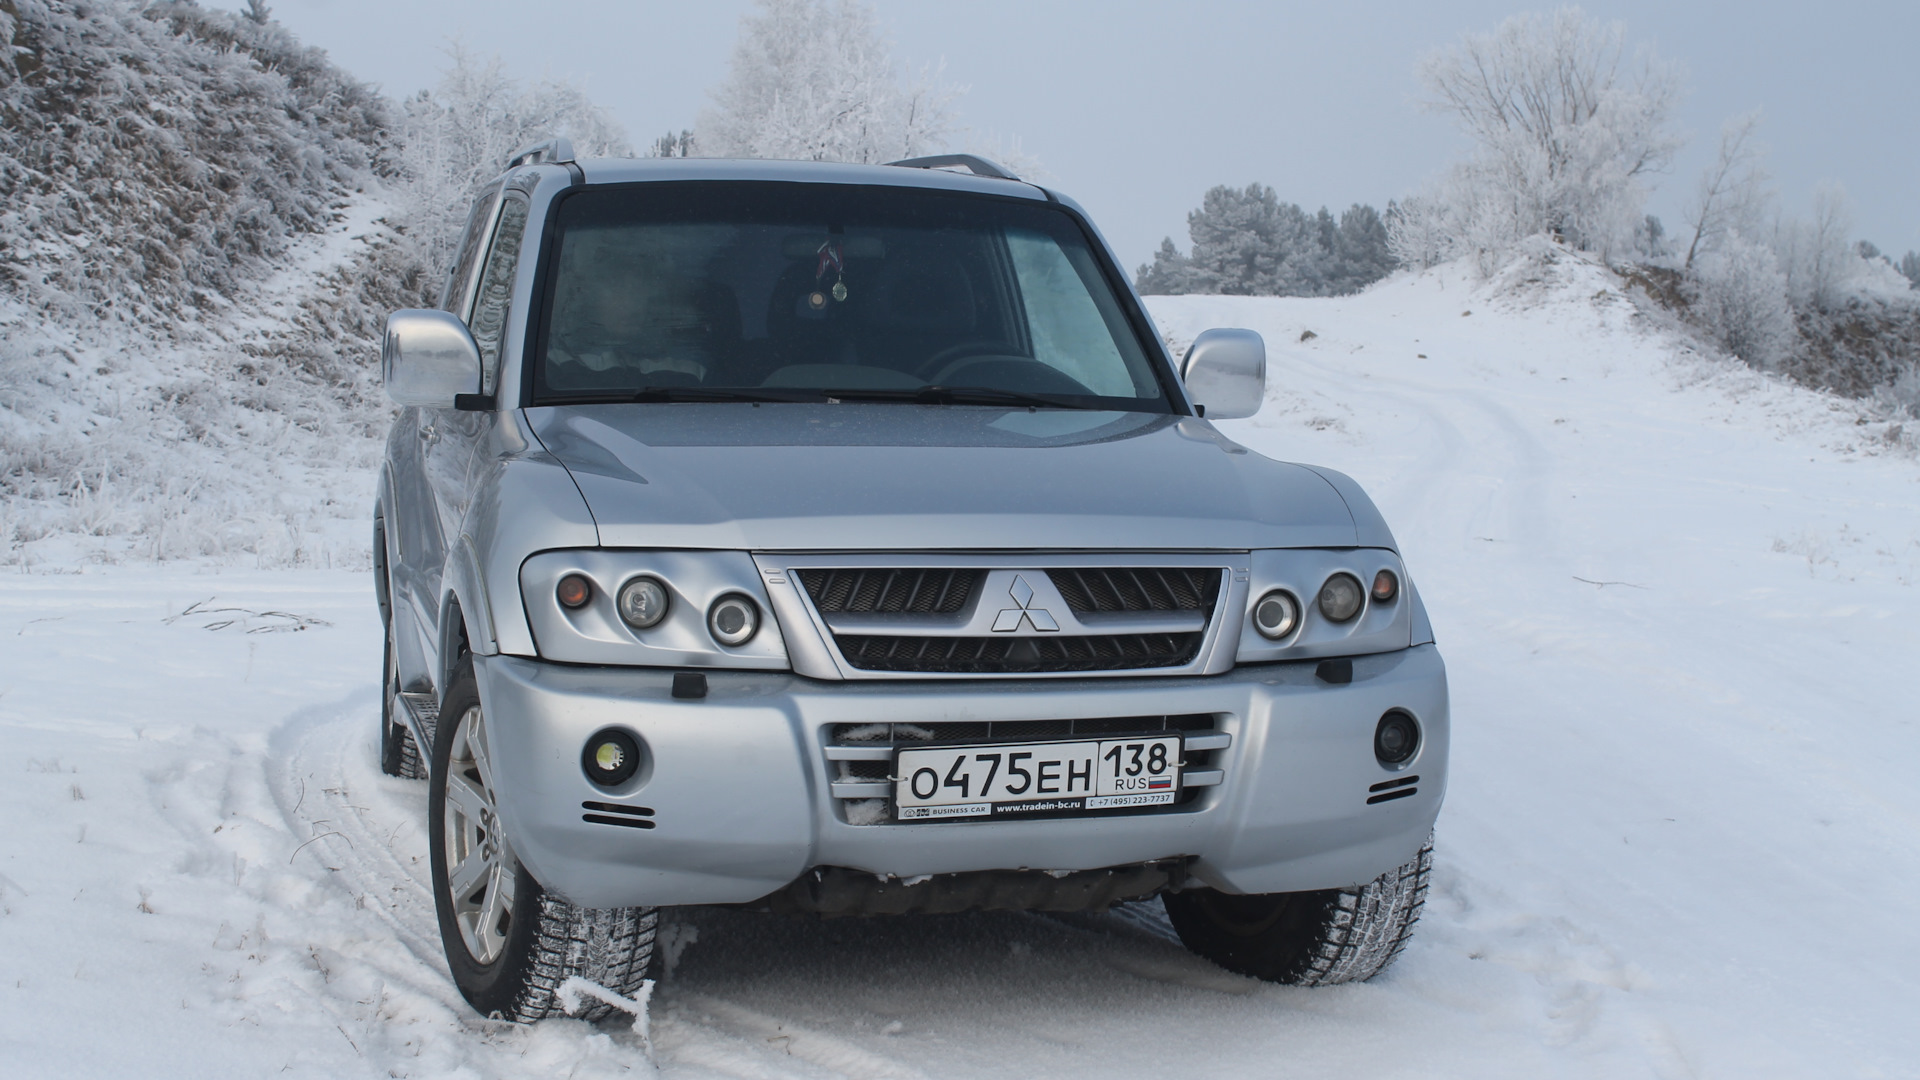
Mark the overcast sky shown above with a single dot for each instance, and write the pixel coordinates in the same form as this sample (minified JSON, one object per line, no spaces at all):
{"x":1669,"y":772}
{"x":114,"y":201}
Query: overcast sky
{"x":1135,"y":109}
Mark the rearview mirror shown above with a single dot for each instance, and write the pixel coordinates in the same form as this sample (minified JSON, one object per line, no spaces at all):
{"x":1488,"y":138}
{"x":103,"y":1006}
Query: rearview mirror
{"x":1226,"y":373}
{"x":428,"y":358}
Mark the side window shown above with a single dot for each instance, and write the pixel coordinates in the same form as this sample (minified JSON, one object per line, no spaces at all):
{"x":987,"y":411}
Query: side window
{"x":496,"y":289}
{"x":454,"y":299}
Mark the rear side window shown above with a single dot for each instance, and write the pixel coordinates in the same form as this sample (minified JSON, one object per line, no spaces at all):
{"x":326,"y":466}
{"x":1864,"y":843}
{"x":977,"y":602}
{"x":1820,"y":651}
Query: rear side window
{"x":454,"y":300}
{"x":495,"y":293}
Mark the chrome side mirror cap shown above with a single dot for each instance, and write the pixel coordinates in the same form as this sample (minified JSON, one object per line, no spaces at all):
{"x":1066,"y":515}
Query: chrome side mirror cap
{"x":428,"y":358}
{"x":1226,"y":373}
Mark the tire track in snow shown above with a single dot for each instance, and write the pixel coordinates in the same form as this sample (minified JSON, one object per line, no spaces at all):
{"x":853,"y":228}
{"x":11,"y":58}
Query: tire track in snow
{"x":1500,"y":470}
{"x":370,"y":827}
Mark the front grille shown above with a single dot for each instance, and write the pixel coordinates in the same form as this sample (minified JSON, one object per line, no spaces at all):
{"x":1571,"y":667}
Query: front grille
{"x":1018,"y":655}
{"x":1101,"y":591}
{"x":890,"y":592}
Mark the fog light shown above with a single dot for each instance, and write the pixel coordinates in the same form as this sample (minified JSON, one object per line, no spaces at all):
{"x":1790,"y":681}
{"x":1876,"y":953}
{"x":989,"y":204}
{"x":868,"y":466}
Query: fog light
{"x":573,"y":591}
{"x":610,"y":758}
{"x":1396,"y":738}
{"x":1276,"y":614}
{"x":1385,"y":587}
{"x":1340,"y":597}
{"x":733,"y":619}
{"x":643,"y":602}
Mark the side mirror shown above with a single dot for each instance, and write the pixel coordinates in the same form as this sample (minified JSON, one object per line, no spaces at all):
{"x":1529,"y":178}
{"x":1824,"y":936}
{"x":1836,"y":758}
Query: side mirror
{"x":1226,"y":373}
{"x":428,"y":358}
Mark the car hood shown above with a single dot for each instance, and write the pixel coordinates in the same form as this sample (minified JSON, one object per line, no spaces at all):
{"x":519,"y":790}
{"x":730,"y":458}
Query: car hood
{"x":893,"y":477}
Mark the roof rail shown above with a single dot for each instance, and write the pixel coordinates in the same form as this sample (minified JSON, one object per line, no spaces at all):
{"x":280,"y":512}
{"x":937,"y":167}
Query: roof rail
{"x":555,"y":151}
{"x":973,"y":163}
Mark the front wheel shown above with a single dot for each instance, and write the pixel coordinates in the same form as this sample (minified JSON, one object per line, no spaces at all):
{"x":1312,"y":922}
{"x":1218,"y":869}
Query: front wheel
{"x":509,"y":943}
{"x":1307,"y":938}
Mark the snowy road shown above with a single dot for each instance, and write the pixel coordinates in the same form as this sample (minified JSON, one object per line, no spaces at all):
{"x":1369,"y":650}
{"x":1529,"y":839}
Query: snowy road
{"x":1680,"y":614}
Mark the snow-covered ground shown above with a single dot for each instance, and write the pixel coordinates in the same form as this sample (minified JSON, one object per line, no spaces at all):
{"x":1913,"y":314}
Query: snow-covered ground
{"x":1677,"y":601}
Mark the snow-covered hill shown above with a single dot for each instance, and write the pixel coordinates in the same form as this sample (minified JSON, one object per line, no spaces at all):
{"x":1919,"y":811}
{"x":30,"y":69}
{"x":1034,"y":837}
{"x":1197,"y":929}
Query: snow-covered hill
{"x":193,"y":266}
{"x":1678,"y":602}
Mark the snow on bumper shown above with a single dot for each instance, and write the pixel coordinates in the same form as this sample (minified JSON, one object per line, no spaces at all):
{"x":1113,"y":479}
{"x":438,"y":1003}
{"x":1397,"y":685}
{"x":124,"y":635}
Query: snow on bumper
{"x":739,"y":785}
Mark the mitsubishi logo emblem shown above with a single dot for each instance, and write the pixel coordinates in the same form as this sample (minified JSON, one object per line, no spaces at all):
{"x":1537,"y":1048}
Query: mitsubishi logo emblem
{"x":1035,"y":618}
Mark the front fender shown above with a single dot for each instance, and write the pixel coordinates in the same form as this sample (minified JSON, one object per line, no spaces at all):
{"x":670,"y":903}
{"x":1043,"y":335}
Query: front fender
{"x":1369,"y":528}
{"x":524,"y":502}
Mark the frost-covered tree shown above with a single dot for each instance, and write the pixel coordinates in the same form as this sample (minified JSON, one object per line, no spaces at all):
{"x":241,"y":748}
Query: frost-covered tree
{"x":1910,"y":266}
{"x":1566,"y":129}
{"x":459,"y":134}
{"x":1732,"y":195}
{"x":1819,"y":263}
{"x":813,"y":80}
{"x":1738,"y":294}
{"x":672,"y":145}
{"x":1360,"y":253}
{"x":1247,"y":242}
{"x":1170,"y":274}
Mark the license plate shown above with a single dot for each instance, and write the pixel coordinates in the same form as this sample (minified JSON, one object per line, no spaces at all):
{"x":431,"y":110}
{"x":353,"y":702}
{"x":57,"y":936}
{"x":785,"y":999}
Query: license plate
{"x":1035,"y":778}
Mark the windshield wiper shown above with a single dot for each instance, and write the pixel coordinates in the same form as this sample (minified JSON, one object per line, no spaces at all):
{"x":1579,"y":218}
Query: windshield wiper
{"x":958,"y":395}
{"x":651,"y":394}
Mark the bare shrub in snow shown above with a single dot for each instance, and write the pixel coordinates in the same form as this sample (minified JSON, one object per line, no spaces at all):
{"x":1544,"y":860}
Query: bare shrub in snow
{"x":1738,"y":295}
{"x":1565,"y":129}
{"x":813,"y":80}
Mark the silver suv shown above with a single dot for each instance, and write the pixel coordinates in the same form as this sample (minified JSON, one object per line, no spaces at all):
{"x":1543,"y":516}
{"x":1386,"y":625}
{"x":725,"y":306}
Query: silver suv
{"x":843,"y":539}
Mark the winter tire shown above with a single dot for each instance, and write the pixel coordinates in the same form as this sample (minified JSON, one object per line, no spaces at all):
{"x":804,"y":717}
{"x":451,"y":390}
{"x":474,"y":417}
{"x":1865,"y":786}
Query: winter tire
{"x":509,"y":943}
{"x":1307,"y":938}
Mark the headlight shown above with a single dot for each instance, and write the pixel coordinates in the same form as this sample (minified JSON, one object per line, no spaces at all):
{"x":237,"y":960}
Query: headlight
{"x":1340,"y":597}
{"x":643,"y":602}
{"x":733,"y":620}
{"x":691,"y":610}
{"x":1342,"y":602}
{"x":1276,"y":615}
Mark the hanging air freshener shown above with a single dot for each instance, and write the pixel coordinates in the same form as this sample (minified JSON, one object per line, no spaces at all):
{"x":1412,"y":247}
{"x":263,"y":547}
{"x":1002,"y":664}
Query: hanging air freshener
{"x":830,"y":259}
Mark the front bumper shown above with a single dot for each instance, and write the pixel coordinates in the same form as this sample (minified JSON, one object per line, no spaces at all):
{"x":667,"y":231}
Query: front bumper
{"x":738,"y":782}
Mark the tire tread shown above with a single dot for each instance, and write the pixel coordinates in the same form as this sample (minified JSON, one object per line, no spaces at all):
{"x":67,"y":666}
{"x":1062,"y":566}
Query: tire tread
{"x":1370,"y":926}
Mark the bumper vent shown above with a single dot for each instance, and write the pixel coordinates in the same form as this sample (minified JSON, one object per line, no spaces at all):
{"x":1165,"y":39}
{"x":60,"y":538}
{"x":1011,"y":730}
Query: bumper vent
{"x":605,"y":813}
{"x":1389,"y":790}
{"x":1017,"y":655}
{"x":890,"y":592}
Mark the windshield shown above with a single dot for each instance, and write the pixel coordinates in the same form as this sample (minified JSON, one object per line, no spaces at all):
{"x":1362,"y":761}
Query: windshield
{"x":782,"y":291}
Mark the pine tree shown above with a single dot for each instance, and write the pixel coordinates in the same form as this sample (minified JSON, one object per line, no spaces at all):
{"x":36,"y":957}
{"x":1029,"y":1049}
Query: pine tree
{"x":1247,"y":242}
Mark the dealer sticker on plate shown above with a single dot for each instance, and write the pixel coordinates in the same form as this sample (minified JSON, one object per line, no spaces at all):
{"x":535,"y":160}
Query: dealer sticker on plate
{"x":1035,"y":778}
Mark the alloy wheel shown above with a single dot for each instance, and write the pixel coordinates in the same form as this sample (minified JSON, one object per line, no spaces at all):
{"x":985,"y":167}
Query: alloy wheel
{"x":481,"y":869}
